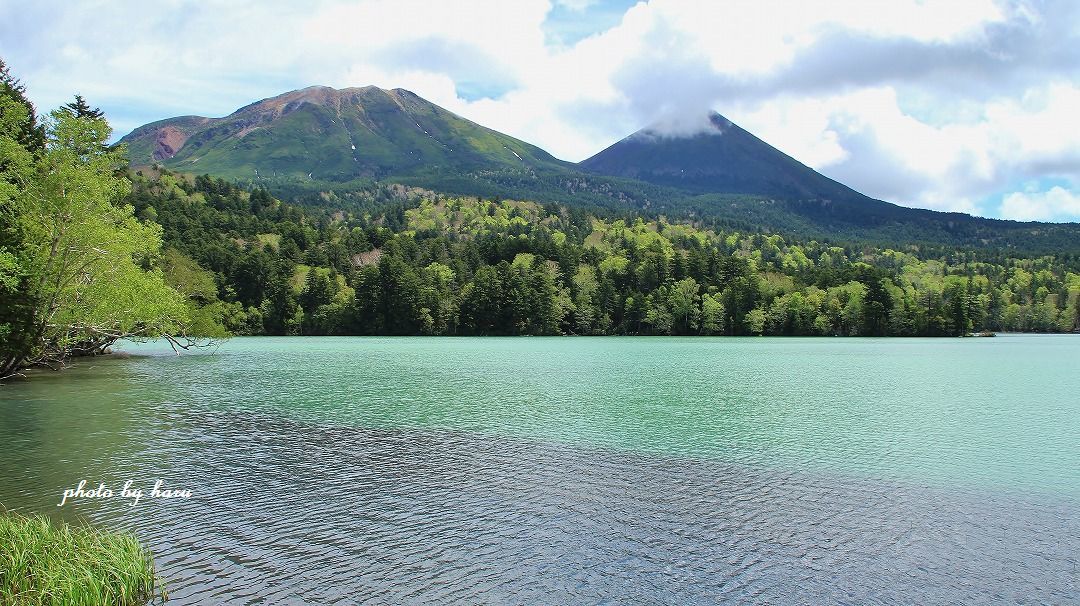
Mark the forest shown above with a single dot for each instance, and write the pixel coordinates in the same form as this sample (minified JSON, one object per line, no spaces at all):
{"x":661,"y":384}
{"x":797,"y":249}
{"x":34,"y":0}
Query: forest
{"x":411,"y":262}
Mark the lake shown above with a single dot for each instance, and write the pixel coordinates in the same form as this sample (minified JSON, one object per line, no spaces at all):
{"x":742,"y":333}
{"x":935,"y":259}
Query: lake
{"x":573,"y":470}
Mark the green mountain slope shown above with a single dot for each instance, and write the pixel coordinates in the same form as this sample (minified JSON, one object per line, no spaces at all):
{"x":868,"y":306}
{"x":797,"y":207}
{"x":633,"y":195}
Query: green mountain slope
{"x":326,"y":134}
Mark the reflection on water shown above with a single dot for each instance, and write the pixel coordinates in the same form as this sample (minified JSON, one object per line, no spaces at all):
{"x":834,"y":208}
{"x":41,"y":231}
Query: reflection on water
{"x":570,"y":470}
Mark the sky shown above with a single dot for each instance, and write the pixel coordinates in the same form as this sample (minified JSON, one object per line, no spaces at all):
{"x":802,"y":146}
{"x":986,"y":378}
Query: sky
{"x":957,"y":105}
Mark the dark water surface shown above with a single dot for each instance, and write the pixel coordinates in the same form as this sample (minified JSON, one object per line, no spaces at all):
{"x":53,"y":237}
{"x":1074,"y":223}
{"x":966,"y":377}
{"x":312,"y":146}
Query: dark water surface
{"x":574,"y":470}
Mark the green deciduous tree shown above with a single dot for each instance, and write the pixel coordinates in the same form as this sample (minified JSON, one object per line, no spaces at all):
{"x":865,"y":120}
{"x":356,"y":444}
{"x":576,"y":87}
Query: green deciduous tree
{"x":712,"y":314}
{"x":82,"y":264}
{"x":685,"y":306}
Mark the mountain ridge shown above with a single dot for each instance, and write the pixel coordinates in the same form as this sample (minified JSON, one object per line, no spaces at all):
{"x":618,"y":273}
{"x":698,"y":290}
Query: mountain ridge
{"x":319,"y":139}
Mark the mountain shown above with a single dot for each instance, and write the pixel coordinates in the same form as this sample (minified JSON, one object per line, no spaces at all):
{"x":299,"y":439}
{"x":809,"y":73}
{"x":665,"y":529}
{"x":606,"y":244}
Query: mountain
{"x":319,"y":139}
{"x":790,"y":196}
{"x":323,"y":133}
{"x":723,"y":158}
{"x":727,"y":159}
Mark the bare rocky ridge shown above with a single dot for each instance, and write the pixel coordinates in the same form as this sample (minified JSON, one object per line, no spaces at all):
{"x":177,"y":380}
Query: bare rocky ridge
{"x":169,"y":141}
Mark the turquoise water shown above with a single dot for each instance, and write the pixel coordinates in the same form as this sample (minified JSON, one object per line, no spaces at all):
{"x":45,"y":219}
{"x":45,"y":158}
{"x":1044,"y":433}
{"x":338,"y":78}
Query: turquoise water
{"x":999,"y":412}
{"x":284,"y":442}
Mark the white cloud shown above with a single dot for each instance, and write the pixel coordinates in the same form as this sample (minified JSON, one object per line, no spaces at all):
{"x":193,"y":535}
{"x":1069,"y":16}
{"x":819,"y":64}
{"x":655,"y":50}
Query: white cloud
{"x":1055,"y":204}
{"x":933,"y":103}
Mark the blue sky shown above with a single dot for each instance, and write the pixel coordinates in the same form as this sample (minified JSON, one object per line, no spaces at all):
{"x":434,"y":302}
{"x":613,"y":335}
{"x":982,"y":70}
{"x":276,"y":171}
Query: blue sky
{"x":965,"y":105}
{"x":568,"y":23}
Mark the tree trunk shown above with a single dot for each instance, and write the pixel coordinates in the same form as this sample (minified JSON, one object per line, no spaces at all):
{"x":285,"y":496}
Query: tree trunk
{"x":10,"y":365}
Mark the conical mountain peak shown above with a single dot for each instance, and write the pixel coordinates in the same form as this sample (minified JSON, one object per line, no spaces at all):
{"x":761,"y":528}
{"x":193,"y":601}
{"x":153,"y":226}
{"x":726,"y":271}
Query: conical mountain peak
{"x":714,"y":155}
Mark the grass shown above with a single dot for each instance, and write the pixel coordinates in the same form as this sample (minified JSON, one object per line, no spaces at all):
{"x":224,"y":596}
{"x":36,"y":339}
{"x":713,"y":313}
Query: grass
{"x":45,"y":563}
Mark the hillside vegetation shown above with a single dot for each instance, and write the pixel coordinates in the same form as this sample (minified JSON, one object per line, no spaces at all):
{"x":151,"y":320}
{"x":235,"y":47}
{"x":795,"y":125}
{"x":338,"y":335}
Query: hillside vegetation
{"x":304,"y":143}
{"x":423,"y":263}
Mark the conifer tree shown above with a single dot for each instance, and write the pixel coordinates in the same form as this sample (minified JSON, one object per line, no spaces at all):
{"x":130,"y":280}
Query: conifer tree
{"x":81,"y":109}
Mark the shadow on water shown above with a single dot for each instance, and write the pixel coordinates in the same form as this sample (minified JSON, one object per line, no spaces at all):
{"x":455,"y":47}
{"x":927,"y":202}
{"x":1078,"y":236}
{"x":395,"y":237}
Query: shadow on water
{"x":79,"y":423}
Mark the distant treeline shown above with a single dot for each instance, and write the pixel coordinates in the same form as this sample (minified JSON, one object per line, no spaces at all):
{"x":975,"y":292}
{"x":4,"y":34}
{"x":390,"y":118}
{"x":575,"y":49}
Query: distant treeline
{"x":430,"y":264}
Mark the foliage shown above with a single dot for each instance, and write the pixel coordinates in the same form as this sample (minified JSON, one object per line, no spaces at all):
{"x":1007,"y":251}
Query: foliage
{"x":458,"y":265}
{"x":27,"y":132}
{"x":43,"y":563}
{"x":77,"y":268}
